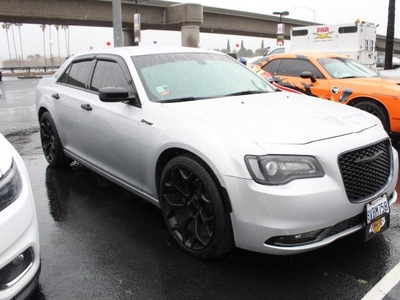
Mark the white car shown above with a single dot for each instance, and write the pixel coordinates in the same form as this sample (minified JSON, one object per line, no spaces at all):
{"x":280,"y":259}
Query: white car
{"x":230,"y":160}
{"x":19,"y":237}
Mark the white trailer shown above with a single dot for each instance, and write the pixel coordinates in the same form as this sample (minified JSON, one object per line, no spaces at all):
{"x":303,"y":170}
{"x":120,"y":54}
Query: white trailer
{"x":356,"y":40}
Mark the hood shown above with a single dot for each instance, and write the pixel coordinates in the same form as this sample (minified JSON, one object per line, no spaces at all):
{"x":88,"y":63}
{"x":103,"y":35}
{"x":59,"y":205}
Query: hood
{"x":391,"y":75}
{"x":278,"y":117}
{"x":381,"y":81}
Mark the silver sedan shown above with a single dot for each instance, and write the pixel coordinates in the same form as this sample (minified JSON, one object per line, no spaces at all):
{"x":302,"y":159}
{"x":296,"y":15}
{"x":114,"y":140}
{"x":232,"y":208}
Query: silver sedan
{"x":229,"y":159}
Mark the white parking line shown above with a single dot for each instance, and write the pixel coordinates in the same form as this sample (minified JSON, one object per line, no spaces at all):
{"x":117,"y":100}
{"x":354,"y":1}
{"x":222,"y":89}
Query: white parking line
{"x":385,"y":285}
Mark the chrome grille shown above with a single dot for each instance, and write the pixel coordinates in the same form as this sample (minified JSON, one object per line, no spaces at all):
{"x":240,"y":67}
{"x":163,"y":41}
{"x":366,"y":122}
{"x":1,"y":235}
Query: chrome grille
{"x":366,"y":171}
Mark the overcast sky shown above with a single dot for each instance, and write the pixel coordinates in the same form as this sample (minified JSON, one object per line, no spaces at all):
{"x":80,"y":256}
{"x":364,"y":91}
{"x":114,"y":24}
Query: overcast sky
{"x":84,"y":38}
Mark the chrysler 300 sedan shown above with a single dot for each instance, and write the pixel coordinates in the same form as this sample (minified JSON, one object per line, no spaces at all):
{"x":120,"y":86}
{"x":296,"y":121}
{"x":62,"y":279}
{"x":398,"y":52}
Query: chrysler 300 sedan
{"x":230,"y":160}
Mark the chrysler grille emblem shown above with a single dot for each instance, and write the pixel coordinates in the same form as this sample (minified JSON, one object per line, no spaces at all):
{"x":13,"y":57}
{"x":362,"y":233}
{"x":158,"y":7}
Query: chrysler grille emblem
{"x":369,"y":159}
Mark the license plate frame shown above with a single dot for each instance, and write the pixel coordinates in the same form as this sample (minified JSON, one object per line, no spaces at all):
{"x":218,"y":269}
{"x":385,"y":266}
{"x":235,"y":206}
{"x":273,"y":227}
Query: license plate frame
{"x":377,"y":217}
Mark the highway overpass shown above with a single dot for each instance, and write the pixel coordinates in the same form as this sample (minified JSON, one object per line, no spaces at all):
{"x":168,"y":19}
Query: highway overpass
{"x":156,"y":15}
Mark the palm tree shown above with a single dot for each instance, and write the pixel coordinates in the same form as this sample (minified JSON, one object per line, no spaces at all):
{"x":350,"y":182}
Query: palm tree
{"x":15,"y":46}
{"x":58,"y":43}
{"x":65,"y":27}
{"x":7,"y":26}
{"x":20,"y":40}
{"x":43,"y":26}
{"x":390,"y":35}
{"x":50,"y":45}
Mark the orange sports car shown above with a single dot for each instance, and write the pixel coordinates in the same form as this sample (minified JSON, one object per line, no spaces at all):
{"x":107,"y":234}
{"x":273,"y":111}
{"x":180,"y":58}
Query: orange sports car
{"x":336,"y":78}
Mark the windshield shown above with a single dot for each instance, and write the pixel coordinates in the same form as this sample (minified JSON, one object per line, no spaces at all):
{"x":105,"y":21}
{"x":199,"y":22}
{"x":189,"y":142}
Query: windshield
{"x":192,"y":76}
{"x":345,"y":68}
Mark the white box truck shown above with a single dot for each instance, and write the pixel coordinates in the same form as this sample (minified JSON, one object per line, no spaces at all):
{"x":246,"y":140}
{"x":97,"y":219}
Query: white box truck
{"x":356,"y":40}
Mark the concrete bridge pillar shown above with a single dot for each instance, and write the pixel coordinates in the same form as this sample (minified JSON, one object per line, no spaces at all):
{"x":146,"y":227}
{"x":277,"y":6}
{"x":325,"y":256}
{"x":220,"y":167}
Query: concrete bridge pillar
{"x":129,"y":38}
{"x":190,"y":36}
{"x":190,"y":17}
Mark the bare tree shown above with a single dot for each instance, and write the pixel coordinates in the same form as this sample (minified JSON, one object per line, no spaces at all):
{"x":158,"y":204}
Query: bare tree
{"x":7,"y":26}
{"x":43,"y":26}
{"x":390,"y":35}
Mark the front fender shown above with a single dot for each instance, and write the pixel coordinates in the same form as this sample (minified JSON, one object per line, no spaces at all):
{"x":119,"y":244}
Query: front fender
{"x":221,"y":151}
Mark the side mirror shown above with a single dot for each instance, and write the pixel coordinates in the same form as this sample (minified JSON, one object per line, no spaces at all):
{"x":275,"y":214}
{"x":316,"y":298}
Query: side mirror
{"x":114,"y":94}
{"x":117,"y":94}
{"x":308,"y":74}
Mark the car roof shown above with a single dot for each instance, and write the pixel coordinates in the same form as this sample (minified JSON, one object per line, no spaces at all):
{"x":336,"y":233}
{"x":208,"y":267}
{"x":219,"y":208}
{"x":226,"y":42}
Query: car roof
{"x":307,"y":55}
{"x":139,"y":50}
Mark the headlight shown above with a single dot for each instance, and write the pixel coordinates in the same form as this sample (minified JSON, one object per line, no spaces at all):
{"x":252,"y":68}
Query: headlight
{"x":281,"y":169}
{"x":10,"y":187}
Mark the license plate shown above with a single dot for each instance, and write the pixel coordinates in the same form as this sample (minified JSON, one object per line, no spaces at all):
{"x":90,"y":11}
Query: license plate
{"x":377,"y":217}
{"x":377,"y":209}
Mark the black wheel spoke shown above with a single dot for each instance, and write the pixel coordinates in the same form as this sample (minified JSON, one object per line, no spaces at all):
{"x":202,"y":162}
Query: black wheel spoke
{"x":201,"y":237}
{"x":181,"y":182}
{"x":49,"y":151}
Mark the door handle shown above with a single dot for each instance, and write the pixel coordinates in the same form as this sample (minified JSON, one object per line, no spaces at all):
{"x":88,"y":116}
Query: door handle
{"x":56,"y":96}
{"x":86,"y":107}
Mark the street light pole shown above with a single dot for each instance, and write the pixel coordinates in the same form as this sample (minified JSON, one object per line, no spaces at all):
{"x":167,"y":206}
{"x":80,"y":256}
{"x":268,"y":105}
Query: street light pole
{"x":280,"y":31}
{"x":117,"y":23}
{"x":281,"y":13}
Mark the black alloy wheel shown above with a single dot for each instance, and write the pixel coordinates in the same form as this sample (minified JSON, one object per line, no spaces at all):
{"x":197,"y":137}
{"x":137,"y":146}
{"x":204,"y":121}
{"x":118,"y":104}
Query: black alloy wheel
{"x":51,"y":144}
{"x":193,"y":208}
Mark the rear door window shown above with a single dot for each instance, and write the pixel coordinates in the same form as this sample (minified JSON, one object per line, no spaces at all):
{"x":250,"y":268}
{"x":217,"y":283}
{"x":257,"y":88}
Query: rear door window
{"x":77,"y":74}
{"x":294,"y":67}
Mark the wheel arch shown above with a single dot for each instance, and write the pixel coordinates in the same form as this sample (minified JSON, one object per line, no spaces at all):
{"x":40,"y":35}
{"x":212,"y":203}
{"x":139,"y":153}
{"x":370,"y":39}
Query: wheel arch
{"x":171,"y":153}
{"x":41,"y":111}
{"x":355,"y":101}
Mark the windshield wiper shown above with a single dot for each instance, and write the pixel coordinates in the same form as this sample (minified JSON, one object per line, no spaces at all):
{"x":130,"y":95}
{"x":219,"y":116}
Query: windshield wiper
{"x":183,"y":99}
{"x":347,"y":77}
{"x":245,"y":93}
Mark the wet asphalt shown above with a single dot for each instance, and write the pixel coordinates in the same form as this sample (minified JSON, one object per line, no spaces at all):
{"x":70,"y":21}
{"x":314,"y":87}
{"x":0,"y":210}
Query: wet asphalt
{"x":98,"y":241}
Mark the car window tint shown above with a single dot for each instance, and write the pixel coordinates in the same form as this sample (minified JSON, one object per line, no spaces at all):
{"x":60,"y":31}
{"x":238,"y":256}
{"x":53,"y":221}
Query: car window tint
{"x":77,"y":74}
{"x":272,"y":66}
{"x":108,"y":73}
{"x":294,"y":67}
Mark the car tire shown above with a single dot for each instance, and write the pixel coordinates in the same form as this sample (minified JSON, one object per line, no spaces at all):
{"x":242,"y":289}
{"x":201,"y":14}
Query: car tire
{"x":375,"y":110}
{"x":194,"y":209}
{"x":51,"y":143}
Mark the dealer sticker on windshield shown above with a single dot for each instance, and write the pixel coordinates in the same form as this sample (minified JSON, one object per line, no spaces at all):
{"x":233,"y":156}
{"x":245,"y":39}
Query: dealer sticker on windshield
{"x":377,"y":217}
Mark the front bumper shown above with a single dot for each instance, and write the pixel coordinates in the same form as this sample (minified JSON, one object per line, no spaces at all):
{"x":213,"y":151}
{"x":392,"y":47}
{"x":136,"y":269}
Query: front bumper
{"x":30,"y":287}
{"x":304,"y":208}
